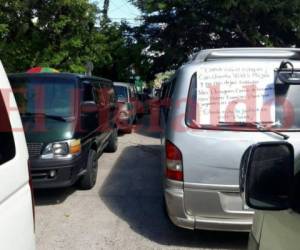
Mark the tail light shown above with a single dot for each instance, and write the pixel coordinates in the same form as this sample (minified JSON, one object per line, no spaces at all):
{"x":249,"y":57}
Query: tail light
{"x":174,"y":168}
{"x":32,"y":195}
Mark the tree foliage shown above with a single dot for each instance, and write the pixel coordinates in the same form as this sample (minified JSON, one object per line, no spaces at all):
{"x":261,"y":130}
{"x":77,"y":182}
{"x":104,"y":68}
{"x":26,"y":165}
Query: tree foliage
{"x":63,"y":34}
{"x":174,"y":29}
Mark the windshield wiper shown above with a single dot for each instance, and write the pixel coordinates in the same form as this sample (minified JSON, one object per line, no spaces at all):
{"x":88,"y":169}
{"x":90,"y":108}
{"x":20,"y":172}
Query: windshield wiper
{"x":256,"y":125}
{"x":54,"y":117}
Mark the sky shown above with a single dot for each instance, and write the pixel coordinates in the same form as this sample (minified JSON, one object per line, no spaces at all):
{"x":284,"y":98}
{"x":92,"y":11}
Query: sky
{"x":122,"y":9}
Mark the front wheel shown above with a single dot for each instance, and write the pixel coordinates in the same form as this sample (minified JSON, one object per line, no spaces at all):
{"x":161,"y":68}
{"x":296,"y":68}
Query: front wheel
{"x":88,"y":181}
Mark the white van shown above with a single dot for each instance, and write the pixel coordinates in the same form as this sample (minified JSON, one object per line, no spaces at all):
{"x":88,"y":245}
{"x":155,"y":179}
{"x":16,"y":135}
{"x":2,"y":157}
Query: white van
{"x":16,"y":207}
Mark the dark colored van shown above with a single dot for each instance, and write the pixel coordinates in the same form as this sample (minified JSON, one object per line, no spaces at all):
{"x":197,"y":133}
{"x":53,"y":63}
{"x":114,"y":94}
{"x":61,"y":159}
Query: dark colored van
{"x":69,"y":120}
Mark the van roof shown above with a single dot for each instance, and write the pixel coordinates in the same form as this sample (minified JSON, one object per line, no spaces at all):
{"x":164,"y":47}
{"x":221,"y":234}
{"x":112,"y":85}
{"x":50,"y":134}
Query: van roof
{"x":245,"y":53}
{"x":62,"y":75}
{"x":124,"y":84}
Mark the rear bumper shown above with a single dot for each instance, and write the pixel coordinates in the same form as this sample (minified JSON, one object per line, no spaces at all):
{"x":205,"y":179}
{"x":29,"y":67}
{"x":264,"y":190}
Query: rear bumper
{"x":67,"y":171}
{"x":224,"y":220}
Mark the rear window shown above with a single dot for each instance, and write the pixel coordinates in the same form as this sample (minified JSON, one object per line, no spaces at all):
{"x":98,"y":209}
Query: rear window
{"x":242,"y":93}
{"x":7,"y":148}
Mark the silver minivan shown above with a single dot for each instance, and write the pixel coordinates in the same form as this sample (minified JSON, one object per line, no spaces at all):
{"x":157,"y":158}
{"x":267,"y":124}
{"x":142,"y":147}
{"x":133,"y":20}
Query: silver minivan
{"x":216,"y":106}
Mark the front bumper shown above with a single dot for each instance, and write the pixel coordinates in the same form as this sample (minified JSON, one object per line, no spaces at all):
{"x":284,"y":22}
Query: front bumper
{"x":67,"y":171}
{"x":174,"y":197}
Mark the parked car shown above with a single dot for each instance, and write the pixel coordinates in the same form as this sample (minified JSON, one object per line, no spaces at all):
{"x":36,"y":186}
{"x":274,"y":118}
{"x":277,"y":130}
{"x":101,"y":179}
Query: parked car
{"x":143,"y":105}
{"x":270,"y":182}
{"x":69,"y":120}
{"x":16,"y":202}
{"x":146,"y":99}
{"x":127,"y":106}
{"x":222,"y":101}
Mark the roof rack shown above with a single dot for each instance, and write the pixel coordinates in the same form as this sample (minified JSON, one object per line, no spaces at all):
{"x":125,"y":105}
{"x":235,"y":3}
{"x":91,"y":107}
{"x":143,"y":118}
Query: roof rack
{"x":230,"y":53}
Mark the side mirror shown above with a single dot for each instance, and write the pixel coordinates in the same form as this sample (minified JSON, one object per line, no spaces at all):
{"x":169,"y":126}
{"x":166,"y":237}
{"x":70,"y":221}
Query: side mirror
{"x":267,"y":171}
{"x":89,"y":107}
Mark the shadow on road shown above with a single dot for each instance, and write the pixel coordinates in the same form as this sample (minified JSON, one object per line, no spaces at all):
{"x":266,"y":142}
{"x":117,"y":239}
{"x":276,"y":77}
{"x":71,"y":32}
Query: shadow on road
{"x":133,"y":191}
{"x":44,"y":197}
{"x":148,"y":126}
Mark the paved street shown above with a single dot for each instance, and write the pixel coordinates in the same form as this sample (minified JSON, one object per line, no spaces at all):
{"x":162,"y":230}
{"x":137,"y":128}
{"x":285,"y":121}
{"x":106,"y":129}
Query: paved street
{"x":124,"y":210}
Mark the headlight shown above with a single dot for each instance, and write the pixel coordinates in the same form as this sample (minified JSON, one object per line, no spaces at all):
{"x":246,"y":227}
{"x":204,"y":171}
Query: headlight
{"x":60,"y":149}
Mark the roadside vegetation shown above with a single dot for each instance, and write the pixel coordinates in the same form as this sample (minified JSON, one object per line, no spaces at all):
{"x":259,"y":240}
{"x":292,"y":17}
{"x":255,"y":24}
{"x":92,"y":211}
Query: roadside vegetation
{"x":67,"y":34}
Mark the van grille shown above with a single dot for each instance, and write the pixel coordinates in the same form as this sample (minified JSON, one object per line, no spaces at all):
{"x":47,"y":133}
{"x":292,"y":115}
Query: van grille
{"x":34,"y":149}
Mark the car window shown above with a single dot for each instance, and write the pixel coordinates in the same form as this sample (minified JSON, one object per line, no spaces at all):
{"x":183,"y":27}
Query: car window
{"x":7,"y":148}
{"x":283,"y":108}
{"x":50,"y":95}
{"x":96,"y":92}
{"x":89,"y":92}
{"x":121,"y":92}
{"x":110,"y":93}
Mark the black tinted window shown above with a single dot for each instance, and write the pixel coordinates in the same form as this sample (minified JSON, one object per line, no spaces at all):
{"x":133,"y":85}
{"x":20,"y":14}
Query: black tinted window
{"x":7,"y":148}
{"x":89,"y":93}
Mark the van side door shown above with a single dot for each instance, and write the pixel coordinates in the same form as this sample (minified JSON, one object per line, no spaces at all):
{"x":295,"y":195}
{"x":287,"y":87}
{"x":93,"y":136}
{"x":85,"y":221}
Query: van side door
{"x":89,"y":121}
{"x":111,"y":101}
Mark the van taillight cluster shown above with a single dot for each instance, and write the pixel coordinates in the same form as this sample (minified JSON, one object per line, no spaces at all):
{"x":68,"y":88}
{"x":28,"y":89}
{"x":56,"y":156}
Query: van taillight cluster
{"x":174,"y":169}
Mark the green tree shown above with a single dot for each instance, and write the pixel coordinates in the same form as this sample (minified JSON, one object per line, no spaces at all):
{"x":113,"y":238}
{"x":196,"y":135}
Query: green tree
{"x":47,"y":33}
{"x":64,"y":34}
{"x":174,"y":29}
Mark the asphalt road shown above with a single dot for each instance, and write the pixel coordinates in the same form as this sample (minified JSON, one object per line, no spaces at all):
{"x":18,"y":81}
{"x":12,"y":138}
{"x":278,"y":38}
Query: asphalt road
{"x":125,"y":208}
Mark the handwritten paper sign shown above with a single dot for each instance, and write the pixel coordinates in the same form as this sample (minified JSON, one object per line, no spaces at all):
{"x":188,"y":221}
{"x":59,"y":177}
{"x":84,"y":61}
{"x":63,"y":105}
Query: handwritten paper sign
{"x":235,"y":92}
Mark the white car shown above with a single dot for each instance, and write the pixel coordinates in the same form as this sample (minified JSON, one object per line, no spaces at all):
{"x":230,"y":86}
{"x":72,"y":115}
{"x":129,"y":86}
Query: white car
{"x":270,"y":180}
{"x":16,"y":206}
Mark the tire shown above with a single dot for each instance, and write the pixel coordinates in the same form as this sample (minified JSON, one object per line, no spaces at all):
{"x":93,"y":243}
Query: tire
{"x":113,"y":142}
{"x":88,"y":181}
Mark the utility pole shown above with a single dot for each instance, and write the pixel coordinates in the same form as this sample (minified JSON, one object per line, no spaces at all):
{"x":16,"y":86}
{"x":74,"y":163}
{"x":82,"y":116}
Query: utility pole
{"x":105,"y":9}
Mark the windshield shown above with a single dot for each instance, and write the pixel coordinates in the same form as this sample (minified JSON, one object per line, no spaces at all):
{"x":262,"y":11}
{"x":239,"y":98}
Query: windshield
{"x":52,"y":96}
{"x":121,"y":92}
